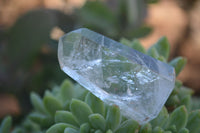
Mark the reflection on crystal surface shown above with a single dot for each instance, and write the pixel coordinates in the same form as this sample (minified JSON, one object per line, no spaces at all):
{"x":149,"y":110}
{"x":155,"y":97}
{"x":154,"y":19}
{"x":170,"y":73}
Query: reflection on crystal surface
{"x":117,"y":74}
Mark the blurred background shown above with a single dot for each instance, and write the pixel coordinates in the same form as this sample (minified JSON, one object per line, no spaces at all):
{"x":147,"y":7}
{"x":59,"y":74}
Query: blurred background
{"x":30,"y":29}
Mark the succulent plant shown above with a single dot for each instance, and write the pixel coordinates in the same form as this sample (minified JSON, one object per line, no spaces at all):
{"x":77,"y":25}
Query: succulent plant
{"x":72,"y":109}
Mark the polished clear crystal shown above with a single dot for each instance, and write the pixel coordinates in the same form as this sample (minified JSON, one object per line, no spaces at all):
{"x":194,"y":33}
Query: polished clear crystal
{"x":117,"y":74}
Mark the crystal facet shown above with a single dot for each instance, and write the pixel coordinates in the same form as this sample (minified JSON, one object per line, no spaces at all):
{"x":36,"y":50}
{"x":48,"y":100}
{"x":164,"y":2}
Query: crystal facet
{"x":117,"y":74}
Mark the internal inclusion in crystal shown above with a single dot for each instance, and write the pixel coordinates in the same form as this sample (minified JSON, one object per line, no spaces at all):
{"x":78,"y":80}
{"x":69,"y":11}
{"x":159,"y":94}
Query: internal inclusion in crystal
{"x":116,"y":74}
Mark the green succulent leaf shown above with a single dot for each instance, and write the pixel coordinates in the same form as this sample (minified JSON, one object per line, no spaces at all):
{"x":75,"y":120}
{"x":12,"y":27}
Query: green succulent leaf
{"x":97,"y":121}
{"x":153,"y":53}
{"x":42,"y":119}
{"x":37,"y":103}
{"x":161,"y":119}
{"x":158,"y":130}
{"x":29,"y":125}
{"x":195,"y":101}
{"x":173,"y":101}
{"x":125,"y":42}
{"x":162,"y":47}
{"x":161,"y":58}
{"x":66,"y":91}
{"x":140,"y":32}
{"x":178,"y":64}
{"x":85,"y":128}
{"x":167,"y":132}
{"x":184,"y":130}
{"x":109,"y":131}
{"x":80,"y":110}
{"x":59,"y":128}
{"x":193,"y":122}
{"x":66,"y":105}
{"x":138,"y":46}
{"x":98,"y":131}
{"x":178,"y":118}
{"x":55,"y":92}
{"x":172,"y":128}
{"x":95,"y":103}
{"x":70,"y":130}
{"x":178,"y":83}
{"x":52,"y":104}
{"x":146,"y":128}
{"x":186,"y":101}
{"x":48,"y":93}
{"x":128,"y":126}
{"x":65,"y":117}
{"x":80,"y":92}
{"x":6,"y":125}
{"x":135,"y":44}
{"x":184,"y":91}
{"x":113,"y":117}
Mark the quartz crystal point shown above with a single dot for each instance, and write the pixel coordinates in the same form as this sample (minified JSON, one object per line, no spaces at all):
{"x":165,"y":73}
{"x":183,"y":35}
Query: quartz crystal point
{"x":117,"y":74}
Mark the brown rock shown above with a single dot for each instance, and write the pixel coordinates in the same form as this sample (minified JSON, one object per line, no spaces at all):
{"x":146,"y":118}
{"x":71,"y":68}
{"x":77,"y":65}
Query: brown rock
{"x":191,"y":50}
{"x":167,"y":19}
{"x":63,"y":5}
{"x":191,"y":76}
{"x":10,"y":10}
{"x":8,"y":105}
